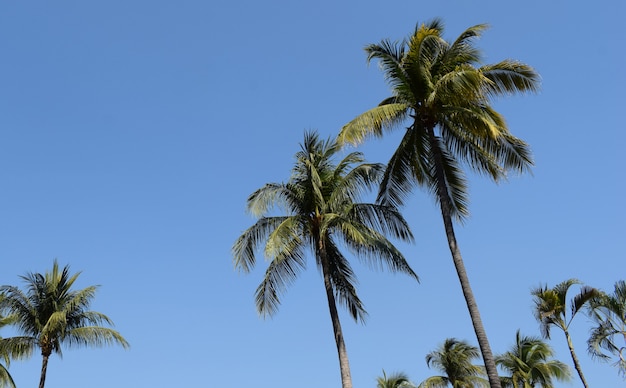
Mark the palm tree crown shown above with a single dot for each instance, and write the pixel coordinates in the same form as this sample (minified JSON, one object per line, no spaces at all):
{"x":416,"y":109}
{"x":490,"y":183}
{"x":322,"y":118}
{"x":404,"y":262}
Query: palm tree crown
{"x":455,"y":359}
{"x":50,"y":313}
{"x":551,"y":309}
{"x":530,"y":365}
{"x":322,"y":212}
{"x":444,"y":93}
{"x":609,"y":336}
{"x":395,"y":380}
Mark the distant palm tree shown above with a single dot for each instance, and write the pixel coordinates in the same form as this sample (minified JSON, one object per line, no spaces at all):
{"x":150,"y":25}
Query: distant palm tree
{"x":50,"y":314}
{"x":530,"y":365}
{"x":551,"y":310}
{"x":445,"y":94}
{"x":396,"y":380}
{"x":609,"y":336}
{"x":322,"y":213}
{"x":454,"y":359}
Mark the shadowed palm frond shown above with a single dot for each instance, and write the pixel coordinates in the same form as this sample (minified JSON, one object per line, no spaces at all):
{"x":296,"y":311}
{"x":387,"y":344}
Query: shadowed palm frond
{"x":281,"y":272}
{"x":608,"y":338}
{"x":246,"y":245}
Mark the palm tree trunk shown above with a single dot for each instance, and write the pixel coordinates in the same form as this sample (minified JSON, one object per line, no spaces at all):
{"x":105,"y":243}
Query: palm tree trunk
{"x":570,"y":345}
{"x":44,"y":369}
{"x":344,"y":365}
{"x":446,"y":213}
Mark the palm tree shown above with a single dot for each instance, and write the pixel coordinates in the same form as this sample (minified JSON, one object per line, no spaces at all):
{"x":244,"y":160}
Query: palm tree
{"x":454,"y":359}
{"x":321,"y":212}
{"x":551,"y":310}
{"x":609,"y":312}
{"x":50,"y":313}
{"x":396,"y":380}
{"x":529,"y":364}
{"x":444,"y":93}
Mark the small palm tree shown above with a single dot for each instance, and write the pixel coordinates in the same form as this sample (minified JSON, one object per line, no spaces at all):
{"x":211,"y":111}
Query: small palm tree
{"x":530,"y":365}
{"x":50,"y":313}
{"x":551,"y":309}
{"x":322,"y":214}
{"x":609,"y":336}
{"x":455,"y":360}
{"x":444,"y":93}
{"x":396,"y":380}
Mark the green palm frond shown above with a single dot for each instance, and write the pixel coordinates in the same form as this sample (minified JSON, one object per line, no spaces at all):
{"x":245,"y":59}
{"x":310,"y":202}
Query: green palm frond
{"x":373,"y":122}
{"x":281,"y":272}
{"x":582,"y":299}
{"x":510,"y":77}
{"x":344,"y":282}
{"x":384,"y":219}
{"x":352,"y":184}
{"x":94,"y":336}
{"x":246,"y":245}
{"x":454,"y":180}
{"x":462,"y":50}
{"x":6,"y":380}
{"x":17,"y":348}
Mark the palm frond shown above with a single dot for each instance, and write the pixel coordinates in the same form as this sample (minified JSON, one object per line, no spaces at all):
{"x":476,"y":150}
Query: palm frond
{"x":344,"y":282}
{"x":454,"y":182}
{"x":372,"y":123}
{"x":6,"y":380}
{"x":281,"y":272}
{"x":462,"y":50}
{"x":384,"y":219}
{"x":406,"y":168}
{"x":390,"y":56}
{"x":509,"y":77}
{"x":246,"y":245}
{"x":18,"y":348}
{"x":94,"y":336}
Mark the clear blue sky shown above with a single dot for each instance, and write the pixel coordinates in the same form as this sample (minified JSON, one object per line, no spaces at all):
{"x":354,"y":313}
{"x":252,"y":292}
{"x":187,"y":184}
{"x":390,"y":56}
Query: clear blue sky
{"x":131,"y":133}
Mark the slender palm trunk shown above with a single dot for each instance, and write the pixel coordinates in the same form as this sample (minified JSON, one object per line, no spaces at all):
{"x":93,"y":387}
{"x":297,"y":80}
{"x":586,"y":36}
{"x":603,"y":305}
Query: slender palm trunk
{"x":44,"y":369}
{"x":446,"y":206}
{"x":577,"y":366}
{"x":344,"y":365}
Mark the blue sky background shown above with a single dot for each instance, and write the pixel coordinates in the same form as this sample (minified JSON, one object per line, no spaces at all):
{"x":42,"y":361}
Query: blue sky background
{"x":132,"y":132}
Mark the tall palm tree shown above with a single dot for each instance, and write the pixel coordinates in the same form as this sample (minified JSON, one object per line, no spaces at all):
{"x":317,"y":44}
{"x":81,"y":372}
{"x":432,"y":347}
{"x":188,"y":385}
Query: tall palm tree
{"x":551,"y":310}
{"x":454,"y":359}
{"x":530,"y":365}
{"x":50,"y":314}
{"x":609,"y":336}
{"x":396,"y":380}
{"x":322,"y":212}
{"x":444,"y":94}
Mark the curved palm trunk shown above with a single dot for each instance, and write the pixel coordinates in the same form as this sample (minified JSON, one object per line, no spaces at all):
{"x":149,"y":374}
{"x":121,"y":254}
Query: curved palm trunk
{"x":577,"y":366}
{"x":446,"y":213}
{"x":344,"y":365}
{"x":44,"y":369}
